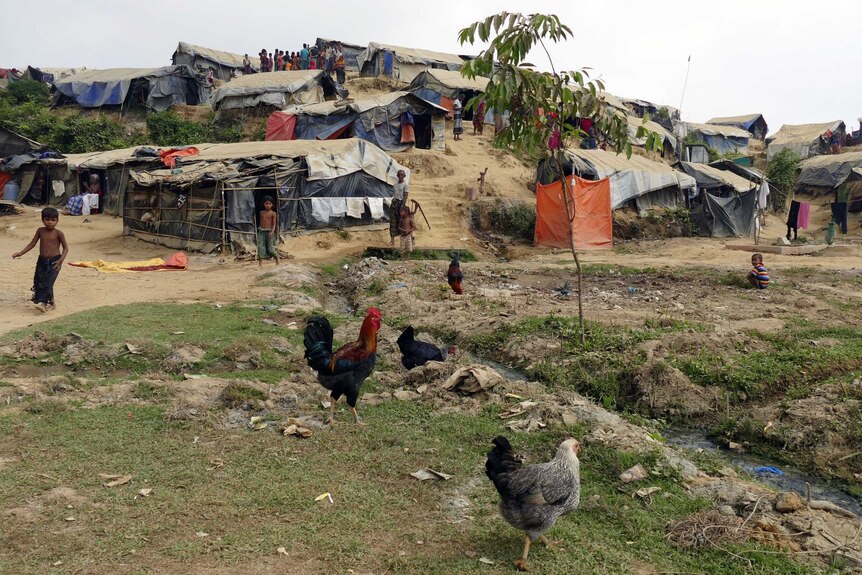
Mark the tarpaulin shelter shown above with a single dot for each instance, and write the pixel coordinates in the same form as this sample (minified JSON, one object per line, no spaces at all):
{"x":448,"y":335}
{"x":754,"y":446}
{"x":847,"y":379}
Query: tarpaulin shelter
{"x":156,"y":88}
{"x":804,"y":139}
{"x":48,"y":75}
{"x":593,"y":225}
{"x":216,"y":199}
{"x":828,"y":171}
{"x":754,"y":124}
{"x":637,"y":179}
{"x":713,"y":179}
{"x":200,"y":59}
{"x":441,"y":87}
{"x":351,"y":52}
{"x":663,"y":114}
{"x":278,"y":89}
{"x":722,"y":139}
{"x":669,"y":142}
{"x":404,"y":63}
{"x":394,"y":122}
{"x":718,"y":217}
{"x":746,"y":172}
{"x":12,"y":143}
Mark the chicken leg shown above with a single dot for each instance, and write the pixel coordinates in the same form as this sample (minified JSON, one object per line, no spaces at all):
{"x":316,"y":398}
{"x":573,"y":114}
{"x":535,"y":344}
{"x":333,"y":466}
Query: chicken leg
{"x":356,"y":418}
{"x":521,"y":563}
{"x":331,"y":419}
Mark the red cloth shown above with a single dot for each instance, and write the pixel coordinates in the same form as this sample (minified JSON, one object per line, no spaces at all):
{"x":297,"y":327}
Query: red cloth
{"x":169,"y":157}
{"x":593,"y":226}
{"x":448,"y":103}
{"x":4,"y":177}
{"x":280,"y":126}
{"x":179,"y":261}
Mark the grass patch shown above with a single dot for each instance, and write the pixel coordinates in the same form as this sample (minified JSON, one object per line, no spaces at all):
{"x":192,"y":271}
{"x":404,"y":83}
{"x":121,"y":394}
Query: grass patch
{"x":236,"y":395}
{"x":253,"y":492}
{"x":148,"y":391}
{"x":387,"y":253}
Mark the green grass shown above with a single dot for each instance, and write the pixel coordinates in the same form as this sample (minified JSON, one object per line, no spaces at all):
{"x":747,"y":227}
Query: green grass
{"x":253,"y":492}
{"x":237,"y":394}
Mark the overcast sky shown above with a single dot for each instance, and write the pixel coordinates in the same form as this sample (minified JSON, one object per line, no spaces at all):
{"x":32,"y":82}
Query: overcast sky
{"x":794,"y":61}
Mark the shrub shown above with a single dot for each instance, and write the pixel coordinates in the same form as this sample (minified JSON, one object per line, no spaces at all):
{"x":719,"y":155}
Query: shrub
{"x":27,"y":91}
{"x":511,"y":218}
{"x":781,"y":173}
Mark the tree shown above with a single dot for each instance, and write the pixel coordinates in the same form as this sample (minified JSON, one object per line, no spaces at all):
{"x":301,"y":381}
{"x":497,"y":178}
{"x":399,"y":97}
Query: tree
{"x":781,"y":173}
{"x":540,"y":103}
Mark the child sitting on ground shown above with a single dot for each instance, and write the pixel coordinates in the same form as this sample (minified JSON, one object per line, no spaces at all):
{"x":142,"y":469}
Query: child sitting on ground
{"x":758,"y":276}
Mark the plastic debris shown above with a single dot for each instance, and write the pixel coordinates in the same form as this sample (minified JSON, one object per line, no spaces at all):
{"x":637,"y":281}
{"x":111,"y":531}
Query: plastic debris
{"x":767,"y":470}
{"x":428,"y":473}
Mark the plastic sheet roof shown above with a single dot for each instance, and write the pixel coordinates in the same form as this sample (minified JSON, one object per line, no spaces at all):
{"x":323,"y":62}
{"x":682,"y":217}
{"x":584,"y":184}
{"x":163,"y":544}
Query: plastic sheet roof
{"x":410,"y":55}
{"x":745,"y":120}
{"x":454,"y":80}
{"x":718,"y":130}
{"x":267,"y":82}
{"x":828,"y":171}
{"x":227,"y":59}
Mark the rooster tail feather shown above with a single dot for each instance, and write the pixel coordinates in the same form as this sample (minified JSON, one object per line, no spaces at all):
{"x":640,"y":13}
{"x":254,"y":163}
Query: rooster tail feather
{"x":501,"y":460}
{"x":318,"y":343}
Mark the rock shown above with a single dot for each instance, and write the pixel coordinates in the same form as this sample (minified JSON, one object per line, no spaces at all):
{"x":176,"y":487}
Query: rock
{"x":636,"y":473}
{"x":782,"y":241}
{"x":727,"y":510}
{"x":727,"y":472}
{"x":788,"y":502}
{"x":406,"y":395}
{"x":570,"y":419}
{"x":422,"y":388}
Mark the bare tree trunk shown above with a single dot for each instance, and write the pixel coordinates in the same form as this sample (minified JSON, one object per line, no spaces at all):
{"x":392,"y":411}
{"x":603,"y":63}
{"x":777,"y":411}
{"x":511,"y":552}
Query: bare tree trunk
{"x":570,"y":217}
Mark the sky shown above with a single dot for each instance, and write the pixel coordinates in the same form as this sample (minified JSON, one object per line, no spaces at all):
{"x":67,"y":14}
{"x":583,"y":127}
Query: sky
{"x":794,"y":61}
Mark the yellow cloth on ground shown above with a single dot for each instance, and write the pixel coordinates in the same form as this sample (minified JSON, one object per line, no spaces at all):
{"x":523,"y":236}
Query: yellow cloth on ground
{"x":119,"y":267}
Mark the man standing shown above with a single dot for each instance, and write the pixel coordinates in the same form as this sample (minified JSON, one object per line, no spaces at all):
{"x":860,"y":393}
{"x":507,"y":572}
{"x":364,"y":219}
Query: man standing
{"x":399,"y":198}
{"x":304,"y":57}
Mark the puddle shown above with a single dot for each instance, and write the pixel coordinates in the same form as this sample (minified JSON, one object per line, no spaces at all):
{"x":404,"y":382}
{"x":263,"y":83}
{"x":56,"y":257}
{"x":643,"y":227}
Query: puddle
{"x":792,"y":480}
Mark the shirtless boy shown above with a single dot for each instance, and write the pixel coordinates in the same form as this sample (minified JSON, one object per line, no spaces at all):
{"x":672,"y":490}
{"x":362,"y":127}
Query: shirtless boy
{"x":266,"y":233}
{"x":50,"y":240}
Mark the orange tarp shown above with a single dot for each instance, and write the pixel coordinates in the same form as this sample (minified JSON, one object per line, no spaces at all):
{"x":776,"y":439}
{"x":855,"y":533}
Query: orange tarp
{"x":169,"y":157}
{"x":280,"y":126}
{"x":593,"y":226}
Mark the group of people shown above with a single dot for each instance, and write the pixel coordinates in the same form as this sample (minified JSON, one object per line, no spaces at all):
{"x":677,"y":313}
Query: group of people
{"x":330,"y":60}
{"x":458,"y":118}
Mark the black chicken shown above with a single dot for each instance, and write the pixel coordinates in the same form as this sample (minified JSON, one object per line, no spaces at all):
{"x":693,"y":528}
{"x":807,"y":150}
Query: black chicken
{"x":415,"y":353}
{"x":532,"y":497}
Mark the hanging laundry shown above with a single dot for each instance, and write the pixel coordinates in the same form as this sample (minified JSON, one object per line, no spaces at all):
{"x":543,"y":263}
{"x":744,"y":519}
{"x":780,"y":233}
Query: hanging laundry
{"x":763,"y":196}
{"x":58,"y":187}
{"x":338,"y":207}
{"x":376,"y":207}
{"x":355,"y":207}
{"x":792,"y":219}
{"x":804,"y":211}
{"x":839,"y":214}
{"x":320,"y":209}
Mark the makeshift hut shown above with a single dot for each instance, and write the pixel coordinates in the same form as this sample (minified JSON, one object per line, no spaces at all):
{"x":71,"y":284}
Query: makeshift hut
{"x":216,"y":199}
{"x":663,"y":114}
{"x":828,"y":171}
{"x":441,"y":87}
{"x":636,"y":180}
{"x":805,"y":139}
{"x":201,"y":59}
{"x":12,"y":143}
{"x":351,"y":52}
{"x":394,"y":122}
{"x":724,"y":217}
{"x":669,"y":142}
{"x":722,"y":139}
{"x":48,"y":75}
{"x":277,"y":89}
{"x":404,"y":63}
{"x":754,"y":124}
{"x":715,"y":180}
{"x":746,"y":172}
{"x":155,"y":88}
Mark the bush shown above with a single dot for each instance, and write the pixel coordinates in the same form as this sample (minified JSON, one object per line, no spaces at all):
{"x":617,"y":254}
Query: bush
{"x":27,"y":91}
{"x":168,"y":129}
{"x":511,"y":218}
{"x":781,"y":173}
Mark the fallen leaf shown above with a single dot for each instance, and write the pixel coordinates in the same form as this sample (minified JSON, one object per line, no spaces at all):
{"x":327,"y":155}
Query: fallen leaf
{"x":177,"y":332}
{"x":70,"y":519}
{"x":646,"y":491}
{"x":56,"y":563}
{"x":202,"y":534}
{"x":133,"y":349}
{"x":217,"y":463}
{"x":194,"y":376}
{"x":145,"y":492}
{"x":485,"y":560}
{"x":323,"y":496}
{"x":428,"y":473}
{"x":115,"y":480}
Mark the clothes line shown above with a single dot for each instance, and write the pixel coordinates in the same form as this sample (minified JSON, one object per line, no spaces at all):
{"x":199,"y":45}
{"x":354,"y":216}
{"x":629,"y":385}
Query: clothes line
{"x":322,"y":209}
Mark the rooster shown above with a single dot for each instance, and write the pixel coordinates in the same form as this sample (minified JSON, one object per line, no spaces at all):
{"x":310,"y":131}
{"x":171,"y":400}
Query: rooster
{"x":454,"y":275}
{"x":532,"y":497}
{"x":342,"y":372}
{"x":415,"y":353}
